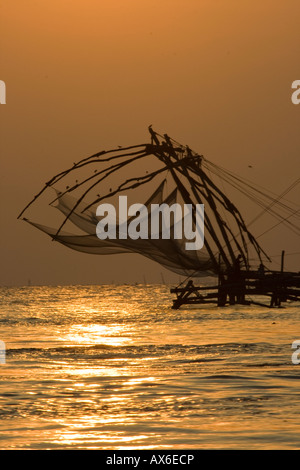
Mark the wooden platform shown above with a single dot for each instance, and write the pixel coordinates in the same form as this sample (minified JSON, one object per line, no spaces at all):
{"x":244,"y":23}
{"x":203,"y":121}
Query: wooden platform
{"x":242,"y":289}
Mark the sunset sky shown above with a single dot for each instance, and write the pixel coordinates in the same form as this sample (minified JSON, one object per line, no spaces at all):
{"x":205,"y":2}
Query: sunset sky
{"x":82,"y":76}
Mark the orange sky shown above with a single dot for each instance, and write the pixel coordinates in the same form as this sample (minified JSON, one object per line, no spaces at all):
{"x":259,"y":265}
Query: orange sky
{"x":83,"y":76}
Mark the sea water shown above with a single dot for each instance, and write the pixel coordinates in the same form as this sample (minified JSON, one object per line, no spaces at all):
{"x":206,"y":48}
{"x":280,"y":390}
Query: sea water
{"x":115,"y":367}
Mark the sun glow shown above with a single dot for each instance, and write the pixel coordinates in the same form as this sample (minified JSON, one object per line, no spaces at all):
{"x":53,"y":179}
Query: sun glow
{"x":101,"y":335}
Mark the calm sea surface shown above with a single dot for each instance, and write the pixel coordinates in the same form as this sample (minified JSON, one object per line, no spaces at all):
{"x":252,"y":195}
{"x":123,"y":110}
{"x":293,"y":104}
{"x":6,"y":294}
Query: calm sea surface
{"x":114,"y":367}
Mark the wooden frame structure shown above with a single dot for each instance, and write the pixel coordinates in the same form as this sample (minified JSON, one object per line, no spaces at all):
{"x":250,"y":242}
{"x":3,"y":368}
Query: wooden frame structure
{"x":227,"y":241}
{"x":244,"y":289}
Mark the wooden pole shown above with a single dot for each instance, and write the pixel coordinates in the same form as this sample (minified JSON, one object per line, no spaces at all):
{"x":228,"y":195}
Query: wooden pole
{"x":282,"y":260}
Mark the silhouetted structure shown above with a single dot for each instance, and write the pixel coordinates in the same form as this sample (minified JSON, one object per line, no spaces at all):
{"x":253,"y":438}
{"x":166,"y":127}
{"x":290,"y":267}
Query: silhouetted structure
{"x":182,"y":176}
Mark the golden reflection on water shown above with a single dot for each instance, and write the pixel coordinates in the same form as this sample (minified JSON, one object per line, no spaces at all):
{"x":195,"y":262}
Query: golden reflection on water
{"x":112,"y":335}
{"x":70,"y":438}
{"x":123,"y":375}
